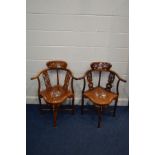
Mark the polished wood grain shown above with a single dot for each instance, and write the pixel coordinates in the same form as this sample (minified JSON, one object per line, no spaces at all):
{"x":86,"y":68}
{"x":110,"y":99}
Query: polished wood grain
{"x":56,"y":64}
{"x":58,"y":94}
{"x":100,"y":65}
{"x":100,"y":96}
{"x":55,"y":95}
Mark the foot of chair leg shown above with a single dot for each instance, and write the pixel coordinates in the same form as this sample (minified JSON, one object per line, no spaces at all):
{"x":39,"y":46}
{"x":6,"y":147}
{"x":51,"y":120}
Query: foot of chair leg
{"x":99,"y":116}
{"x":115,"y":106}
{"x":54,"y":116}
{"x":82,"y":105}
{"x":40,"y":109}
{"x":99,"y":123}
{"x":73,"y":106}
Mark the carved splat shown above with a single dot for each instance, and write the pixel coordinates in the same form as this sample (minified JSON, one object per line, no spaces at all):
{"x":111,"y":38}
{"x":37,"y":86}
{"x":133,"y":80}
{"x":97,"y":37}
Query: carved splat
{"x":111,"y":79}
{"x":46,"y":80}
{"x":89,"y":79}
{"x":67,"y":79}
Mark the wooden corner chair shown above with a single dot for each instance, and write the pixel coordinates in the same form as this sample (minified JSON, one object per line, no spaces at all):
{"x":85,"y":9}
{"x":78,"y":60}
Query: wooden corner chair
{"x":100,"y":96}
{"x":55,"y":94}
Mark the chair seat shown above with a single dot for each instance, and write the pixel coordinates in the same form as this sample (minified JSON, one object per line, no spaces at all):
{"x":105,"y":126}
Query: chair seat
{"x":56,"y":94}
{"x":100,"y":96}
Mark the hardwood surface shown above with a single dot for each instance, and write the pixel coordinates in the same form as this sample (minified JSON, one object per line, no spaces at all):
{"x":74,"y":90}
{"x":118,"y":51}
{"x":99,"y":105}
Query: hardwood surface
{"x":100,"y":96}
{"x":55,"y":95}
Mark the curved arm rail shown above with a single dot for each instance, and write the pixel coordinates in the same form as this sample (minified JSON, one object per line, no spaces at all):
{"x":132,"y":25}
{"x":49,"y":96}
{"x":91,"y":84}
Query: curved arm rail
{"x":37,"y":76}
{"x":117,"y":87}
{"x":39,"y":85}
{"x":121,"y":79}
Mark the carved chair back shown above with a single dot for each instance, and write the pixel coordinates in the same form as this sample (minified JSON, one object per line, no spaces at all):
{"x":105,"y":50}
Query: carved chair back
{"x":100,"y":70}
{"x":56,"y":73}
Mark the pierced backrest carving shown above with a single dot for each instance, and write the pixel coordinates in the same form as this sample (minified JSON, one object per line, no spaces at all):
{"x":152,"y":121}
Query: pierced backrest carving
{"x":46,"y":79}
{"x":60,"y":68}
{"x":67,"y":80}
{"x":56,"y":64}
{"x":111,"y":79}
{"x":105,"y":66}
{"x":100,"y":67}
{"x":89,"y":79}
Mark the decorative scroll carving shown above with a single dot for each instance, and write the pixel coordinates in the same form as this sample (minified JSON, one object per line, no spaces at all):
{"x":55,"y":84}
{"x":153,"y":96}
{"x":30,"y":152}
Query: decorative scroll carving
{"x":111,"y":79}
{"x":89,"y":79}
{"x":56,"y":64}
{"x":46,"y":80}
{"x":101,"y":66}
{"x":67,"y":79}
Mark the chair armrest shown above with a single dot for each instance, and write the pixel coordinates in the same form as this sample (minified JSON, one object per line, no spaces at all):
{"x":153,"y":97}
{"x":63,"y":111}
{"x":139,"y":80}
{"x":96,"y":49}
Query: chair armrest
{"x":37,"y":76}
{"x":39,"y":85}
{"x":117,"y":87}
{"x":121,"y":79}
{"x":33,"y":78}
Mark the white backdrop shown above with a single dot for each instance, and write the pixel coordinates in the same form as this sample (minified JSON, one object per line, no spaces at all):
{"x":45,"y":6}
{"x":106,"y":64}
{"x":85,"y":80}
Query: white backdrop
{"x":79,"y":32}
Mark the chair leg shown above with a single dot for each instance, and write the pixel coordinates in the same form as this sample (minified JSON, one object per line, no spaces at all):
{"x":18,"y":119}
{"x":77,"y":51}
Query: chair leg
{"x":54,"y":116}
{"x":73,"y":106}
{"x":82,"y":104}
{"x":99,"y":116}
{"x":115,"y":106}
{"x":40,"y":104}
